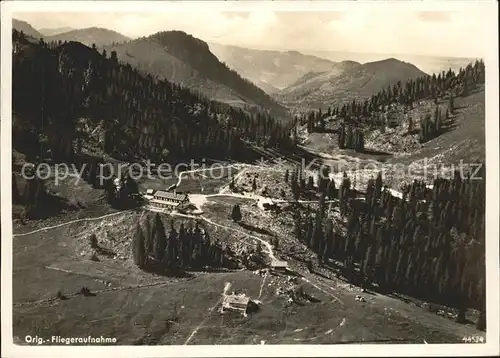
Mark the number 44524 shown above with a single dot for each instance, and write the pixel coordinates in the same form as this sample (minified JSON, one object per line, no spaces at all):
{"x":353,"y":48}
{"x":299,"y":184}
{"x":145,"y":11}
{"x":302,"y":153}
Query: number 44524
{"x":473,"y":339}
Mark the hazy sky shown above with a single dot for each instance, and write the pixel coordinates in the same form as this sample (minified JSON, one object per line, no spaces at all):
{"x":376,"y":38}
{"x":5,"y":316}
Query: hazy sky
{"x":460,"y":33}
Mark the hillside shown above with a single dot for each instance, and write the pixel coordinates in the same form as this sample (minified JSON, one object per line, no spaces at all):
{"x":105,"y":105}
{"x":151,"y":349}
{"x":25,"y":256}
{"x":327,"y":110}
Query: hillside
{"x":270,"y":70}
{"x":347,"y":80}
{"x":26,"y":28}
{"x":55,"y":31}
{"x":184,"y":59}
{"x":463,"y":136}
{"x":92,"y":35}
{"x":357,"y":274}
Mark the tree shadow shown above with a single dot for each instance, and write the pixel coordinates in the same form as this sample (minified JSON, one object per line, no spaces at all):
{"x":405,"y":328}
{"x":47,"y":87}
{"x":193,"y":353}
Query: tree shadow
{"x":317,"y":273}
{"x":448,"y":128}
{"x":86,"y":292}
{"x":412,"y":132}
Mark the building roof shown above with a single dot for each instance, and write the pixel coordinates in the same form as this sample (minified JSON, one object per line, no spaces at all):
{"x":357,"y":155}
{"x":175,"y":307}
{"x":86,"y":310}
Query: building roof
{"x":170,"y":195}
{"x":236,"y":299}
{"x":150,"y":191}
{"x":277,"y":263}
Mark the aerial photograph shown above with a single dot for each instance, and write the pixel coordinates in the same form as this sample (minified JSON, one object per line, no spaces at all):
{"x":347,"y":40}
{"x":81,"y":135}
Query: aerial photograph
{"x":248,"y":178}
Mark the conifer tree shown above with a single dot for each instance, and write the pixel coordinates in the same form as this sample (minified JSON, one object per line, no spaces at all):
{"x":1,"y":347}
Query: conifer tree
{"x":369,"y":260}
{"x":437,"y":120}
{"x":342,"y":137}
{"x":236,"y":213}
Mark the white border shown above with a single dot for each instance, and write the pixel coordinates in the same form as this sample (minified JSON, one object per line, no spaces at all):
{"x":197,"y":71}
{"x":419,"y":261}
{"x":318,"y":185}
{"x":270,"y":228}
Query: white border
{"x":492,"y":207}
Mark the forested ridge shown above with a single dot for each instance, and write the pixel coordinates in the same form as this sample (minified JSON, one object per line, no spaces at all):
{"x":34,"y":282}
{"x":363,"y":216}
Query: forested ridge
{"x":57,"y":84}
{"x":429,"y":244}
{"x":155,"y":247}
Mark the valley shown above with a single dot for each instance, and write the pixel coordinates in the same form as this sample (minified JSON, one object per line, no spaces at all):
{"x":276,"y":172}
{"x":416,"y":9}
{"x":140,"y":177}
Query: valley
{"x":328,"y":194}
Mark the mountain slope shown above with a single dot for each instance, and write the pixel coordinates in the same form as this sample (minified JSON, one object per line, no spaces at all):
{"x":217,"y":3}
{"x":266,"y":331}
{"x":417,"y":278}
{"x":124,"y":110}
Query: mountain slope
{"x":26,"y":28}
{"x":347,"y":80}
{"x":55,"y":88}
{"x":55,"y":31}
{"x":89,"y":36}
{"x":270,"y":70}
{"x":184,"y":59}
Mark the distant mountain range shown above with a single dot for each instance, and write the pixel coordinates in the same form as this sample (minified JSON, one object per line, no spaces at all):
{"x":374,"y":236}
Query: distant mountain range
{"x":26,"y":28}
{"x":345,"y":81}
{"x":184,"y":59}
{"x":428,"y":64}
{"x":270,"y":70}
{"x":55,"y":31}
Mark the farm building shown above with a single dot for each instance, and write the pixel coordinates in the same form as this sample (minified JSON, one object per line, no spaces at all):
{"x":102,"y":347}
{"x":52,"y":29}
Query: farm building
{"x":279,"y":266}
{"x":165,"y":199}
